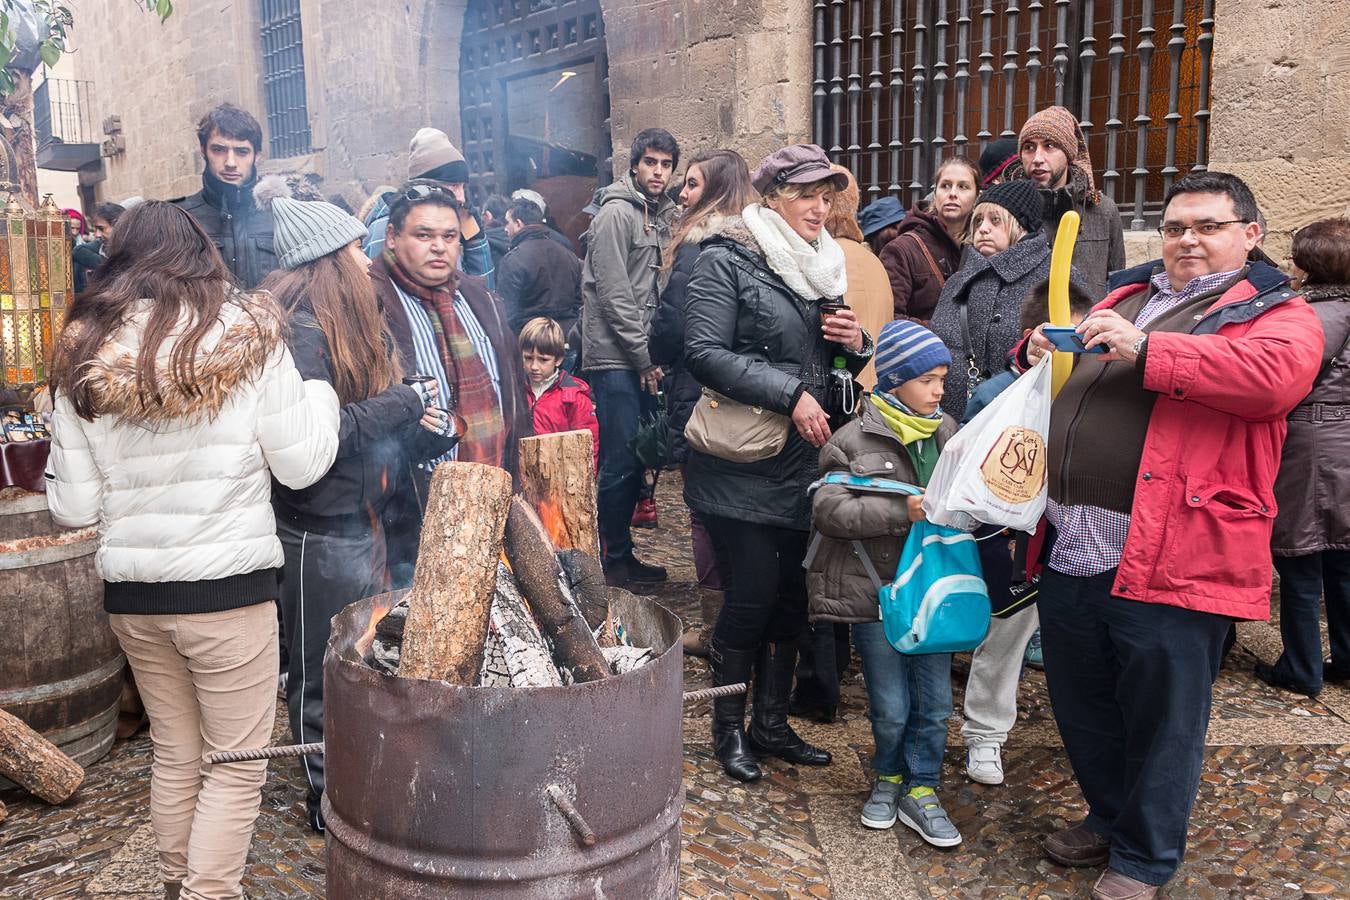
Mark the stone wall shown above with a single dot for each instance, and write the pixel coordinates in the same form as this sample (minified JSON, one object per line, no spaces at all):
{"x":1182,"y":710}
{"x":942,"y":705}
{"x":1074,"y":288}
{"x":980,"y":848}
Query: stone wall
{"x":1281,"y":108}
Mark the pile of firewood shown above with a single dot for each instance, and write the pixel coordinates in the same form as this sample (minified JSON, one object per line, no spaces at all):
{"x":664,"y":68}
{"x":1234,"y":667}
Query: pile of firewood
{"x":499,"y":597}
{"x":35,"y":763}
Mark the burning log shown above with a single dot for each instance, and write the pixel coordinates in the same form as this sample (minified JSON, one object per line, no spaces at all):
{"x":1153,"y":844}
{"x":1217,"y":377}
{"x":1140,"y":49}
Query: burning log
{"x":516,"y":655}
{"x":35,"y":764}
{"x":545,"y":587}
{"x":557,"y":473}
{"x":456,"y":575}
{"x":587,"y":581}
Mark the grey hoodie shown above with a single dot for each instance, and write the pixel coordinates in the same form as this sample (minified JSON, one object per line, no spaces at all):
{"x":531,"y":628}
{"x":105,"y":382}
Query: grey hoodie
{"x":622,"y":278}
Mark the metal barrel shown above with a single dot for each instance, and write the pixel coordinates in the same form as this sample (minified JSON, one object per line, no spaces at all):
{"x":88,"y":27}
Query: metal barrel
{"x":62,"y":674}
{"x":439,"y":790}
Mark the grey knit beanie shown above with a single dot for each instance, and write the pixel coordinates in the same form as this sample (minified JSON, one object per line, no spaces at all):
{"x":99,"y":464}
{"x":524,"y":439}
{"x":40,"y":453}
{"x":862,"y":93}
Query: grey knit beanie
{"x":308,"y":229}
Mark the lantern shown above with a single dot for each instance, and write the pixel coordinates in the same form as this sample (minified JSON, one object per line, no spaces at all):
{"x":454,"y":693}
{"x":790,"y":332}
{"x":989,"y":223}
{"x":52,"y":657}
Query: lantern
{"x":35,"y":288}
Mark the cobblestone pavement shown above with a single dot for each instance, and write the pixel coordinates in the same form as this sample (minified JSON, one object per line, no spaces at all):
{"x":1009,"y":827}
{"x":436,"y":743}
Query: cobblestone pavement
{"x":1270,"y":821}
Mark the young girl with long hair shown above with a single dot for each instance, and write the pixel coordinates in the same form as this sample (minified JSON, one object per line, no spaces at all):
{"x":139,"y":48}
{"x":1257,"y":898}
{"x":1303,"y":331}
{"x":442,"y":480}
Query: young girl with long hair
{"x":716,"y":185}
{"x":176,"y":404}
{"x":334,"y":545}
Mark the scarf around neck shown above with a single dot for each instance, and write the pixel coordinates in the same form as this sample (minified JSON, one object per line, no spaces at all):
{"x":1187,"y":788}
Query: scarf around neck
{"x":811,"y":272}
{"x":473,"y":402}
{"x":913,"y":430}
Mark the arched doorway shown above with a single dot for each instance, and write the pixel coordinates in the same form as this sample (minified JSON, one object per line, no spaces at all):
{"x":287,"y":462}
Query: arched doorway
{"x":534,"y":102}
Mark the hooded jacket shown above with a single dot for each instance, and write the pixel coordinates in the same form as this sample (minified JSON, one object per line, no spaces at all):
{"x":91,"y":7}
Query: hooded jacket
{"x":538,"y":277}
{"x":182,"y":493}
{"x":237,"y":225}
{"x":622,"y":278}
{"x":567,"y":406}
{"x":914,"y":287}
{"x":749,"y":337}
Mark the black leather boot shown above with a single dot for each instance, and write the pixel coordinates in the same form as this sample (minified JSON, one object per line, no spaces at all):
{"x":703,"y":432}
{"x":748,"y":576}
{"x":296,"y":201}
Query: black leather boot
{"x":770,"y":734}
{"x":728,"y":724}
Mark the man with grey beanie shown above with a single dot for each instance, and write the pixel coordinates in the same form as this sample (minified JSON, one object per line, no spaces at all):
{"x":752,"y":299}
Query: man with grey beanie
{"x":432,"y":157}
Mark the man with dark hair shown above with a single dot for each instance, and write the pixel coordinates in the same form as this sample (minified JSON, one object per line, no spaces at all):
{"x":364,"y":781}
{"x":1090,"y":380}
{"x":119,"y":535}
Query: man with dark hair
{"x":494,"y":229}
{"x":1053,"y":154}
{"x":1161,"y":467}
{"x":446,"y":326}
{"x":431,"y":157}
{"x":538,"y":277}
{"x":620,"y":284}
{"x":231,"y":145}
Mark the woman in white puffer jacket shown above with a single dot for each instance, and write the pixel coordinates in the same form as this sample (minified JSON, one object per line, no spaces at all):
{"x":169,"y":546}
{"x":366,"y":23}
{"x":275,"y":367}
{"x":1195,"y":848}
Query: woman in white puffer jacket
{"x":176,"y":402}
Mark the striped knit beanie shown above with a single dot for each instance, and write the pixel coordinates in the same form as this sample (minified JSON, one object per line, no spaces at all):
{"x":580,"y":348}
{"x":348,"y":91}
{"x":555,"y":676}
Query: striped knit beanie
{"x":308,"y":229}
{"x":905,"y":350}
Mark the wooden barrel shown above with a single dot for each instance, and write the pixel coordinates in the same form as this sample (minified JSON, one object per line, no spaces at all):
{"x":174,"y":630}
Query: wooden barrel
{"x":61,"y":671}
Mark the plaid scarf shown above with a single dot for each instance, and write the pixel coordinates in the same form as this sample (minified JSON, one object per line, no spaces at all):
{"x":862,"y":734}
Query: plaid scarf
{"x":473,"y":401}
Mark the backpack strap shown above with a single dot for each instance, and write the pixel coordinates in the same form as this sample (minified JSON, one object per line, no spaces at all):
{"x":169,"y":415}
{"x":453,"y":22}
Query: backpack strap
{"x":859,"y":549}
{"x":866,"y":484}
{"x":928,"y":255}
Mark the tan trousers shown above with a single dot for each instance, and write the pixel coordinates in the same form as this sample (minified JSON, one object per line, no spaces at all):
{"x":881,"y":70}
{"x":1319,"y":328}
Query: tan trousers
{"x":209,"y":683}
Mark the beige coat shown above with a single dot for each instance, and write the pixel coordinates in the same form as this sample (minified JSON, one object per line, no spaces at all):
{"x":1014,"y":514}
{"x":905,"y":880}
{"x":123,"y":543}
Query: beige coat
{"x":869,"y":295}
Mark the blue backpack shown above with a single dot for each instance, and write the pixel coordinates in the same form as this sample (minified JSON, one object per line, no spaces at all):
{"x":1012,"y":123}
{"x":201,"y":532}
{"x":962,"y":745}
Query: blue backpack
{"x":938,"y":602}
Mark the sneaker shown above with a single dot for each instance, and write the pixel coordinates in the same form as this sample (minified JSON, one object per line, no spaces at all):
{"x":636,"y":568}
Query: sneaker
{"x":920,"y":810}
{"x":879,"y":810}
{"x":984,"y":763}
{"x":1033,"y":655}
{"x":644,"y":515}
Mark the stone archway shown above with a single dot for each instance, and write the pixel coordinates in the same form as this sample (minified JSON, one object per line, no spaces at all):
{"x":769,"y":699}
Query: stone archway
{"x":534,"y":102}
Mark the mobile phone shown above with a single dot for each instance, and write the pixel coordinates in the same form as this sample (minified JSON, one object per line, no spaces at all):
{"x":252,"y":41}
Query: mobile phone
{"x":1067,"y":339}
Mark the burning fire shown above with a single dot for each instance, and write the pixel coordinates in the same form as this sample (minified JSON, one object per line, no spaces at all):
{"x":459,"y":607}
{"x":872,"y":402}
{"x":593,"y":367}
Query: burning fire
{"x":554,"y":523}
{"x":378,"y":610}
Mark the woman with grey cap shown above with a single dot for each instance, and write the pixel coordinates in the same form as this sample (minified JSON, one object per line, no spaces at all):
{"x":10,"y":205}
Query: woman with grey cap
{"x":330,"y":531}
{"x":764,"y":328}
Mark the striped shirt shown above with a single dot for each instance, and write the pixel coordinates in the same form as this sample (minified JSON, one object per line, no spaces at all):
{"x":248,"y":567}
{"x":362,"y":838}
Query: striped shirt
{"x":428,"y":352}
{"x":1089,"y":539}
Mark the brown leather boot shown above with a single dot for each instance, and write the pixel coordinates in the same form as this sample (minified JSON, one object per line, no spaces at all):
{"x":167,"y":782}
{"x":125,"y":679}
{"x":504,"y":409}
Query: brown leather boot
{"x":696,"y":642}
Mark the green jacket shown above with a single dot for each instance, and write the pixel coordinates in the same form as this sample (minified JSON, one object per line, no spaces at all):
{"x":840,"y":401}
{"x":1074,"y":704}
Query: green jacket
{"x":622,"y":279}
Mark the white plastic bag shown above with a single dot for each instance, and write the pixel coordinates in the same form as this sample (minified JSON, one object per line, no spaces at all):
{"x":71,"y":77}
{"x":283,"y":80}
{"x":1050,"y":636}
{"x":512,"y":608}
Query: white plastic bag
{"x":993,"y":470}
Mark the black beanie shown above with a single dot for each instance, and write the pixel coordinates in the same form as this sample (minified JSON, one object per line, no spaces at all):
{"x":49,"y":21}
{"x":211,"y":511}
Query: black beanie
{"x":995,"y":158}
{"x":1021,"y":199}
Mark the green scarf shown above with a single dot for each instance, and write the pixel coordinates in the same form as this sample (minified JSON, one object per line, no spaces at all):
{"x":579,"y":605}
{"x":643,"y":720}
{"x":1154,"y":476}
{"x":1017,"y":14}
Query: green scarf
{"x":915,"y":433}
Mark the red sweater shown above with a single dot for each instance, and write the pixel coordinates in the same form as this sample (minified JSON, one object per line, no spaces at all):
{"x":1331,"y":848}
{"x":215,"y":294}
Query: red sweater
{"x":567,"y":406}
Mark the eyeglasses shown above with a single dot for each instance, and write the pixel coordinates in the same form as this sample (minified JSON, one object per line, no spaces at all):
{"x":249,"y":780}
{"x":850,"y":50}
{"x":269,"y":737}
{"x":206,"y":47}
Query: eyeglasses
{"x":1202,"y":229}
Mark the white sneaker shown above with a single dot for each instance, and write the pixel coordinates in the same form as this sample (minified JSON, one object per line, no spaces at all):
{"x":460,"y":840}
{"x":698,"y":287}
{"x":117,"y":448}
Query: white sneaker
{"x":984,"y":763}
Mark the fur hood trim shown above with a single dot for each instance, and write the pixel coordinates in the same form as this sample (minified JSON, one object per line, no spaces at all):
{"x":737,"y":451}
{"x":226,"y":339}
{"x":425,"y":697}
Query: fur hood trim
{"x":732,"y":228}
{"x":1317,"y":292}
{"x":269,"y":189}
{"x":232,"y":354}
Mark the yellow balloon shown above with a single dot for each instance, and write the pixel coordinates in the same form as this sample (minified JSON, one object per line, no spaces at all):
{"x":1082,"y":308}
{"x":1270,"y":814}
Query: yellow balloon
{"x":1060,"y":261}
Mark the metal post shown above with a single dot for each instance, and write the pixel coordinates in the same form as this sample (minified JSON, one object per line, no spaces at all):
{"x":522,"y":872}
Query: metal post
{"x":940,"y":79}
{"x":918,"y":81}
{"x":1034,"y":55}
{"x":818,"y":75}
{"x":1087,"y":57}
{"x":896,"y":90}
{"x":962,"y":78}
{"x":1111,"y":177}
{"x":1010,"y":69}
{"x":855,"y":43}
{"x":1175,"y":45}
{"x":874,"y":86}
{"x":1143,"y":120}
{"x":836,"y":79}
{"x":986,"y":70}
{"x":1061,"y":60}
{"x":1205,"y":44}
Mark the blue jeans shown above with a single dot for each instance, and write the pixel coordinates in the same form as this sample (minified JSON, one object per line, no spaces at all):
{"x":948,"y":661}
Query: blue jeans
{"x":908,"y":700}
{"x":1131,"y":685}
{"x":618,"y":406}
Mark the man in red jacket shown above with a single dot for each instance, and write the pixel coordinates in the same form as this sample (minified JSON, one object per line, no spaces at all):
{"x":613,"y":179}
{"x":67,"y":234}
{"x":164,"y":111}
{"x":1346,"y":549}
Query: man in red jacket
{"x":1163,"y":454}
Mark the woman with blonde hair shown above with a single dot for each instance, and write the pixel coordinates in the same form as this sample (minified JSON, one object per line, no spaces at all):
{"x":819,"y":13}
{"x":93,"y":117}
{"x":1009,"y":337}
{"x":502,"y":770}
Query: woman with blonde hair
{"x":869,"y":287}
{"x":176,"y":404}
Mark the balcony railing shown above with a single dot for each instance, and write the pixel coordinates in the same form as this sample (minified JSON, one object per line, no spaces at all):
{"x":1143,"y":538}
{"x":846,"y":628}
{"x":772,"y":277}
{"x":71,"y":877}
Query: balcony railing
{"x":899,"y":84}
{"x":62,"y":111}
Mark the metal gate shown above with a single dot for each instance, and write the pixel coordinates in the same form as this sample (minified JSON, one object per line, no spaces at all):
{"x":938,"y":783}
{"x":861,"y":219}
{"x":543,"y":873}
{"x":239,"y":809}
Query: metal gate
{"x":899,"y":84}
{"x":284,"y":79}
{"x":534,"y":96}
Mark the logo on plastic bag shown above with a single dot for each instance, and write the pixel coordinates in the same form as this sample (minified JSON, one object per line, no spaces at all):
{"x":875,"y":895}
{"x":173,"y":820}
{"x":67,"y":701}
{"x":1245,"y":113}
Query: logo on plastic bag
{"x":1014,"y":470}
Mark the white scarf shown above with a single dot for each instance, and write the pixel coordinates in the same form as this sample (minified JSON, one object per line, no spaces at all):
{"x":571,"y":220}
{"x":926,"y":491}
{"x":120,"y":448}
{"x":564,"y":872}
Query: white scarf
{"x":812,"y":272}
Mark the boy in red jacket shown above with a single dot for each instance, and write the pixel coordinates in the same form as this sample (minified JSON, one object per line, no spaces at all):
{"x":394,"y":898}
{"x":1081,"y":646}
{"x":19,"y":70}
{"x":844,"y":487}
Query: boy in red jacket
{"x":559,"y":400}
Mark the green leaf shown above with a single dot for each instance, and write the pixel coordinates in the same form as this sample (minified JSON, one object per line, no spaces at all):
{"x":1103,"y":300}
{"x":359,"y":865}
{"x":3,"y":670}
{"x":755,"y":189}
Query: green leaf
{"x":162,"y":8}
{"x":50,"y":53}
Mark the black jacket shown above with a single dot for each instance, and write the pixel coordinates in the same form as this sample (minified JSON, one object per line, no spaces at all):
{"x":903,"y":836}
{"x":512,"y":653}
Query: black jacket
{"x":667,"y":348}
{"x":241,"y":231}
{"x":749,"y":337}
{"x":498,"y":243}
{"x":376,"y":439}
{"x":539,"y":278}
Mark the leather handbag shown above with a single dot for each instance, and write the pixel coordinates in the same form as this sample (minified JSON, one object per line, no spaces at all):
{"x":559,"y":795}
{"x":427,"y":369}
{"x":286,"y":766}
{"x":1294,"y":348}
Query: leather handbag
{"x":722,"y":427}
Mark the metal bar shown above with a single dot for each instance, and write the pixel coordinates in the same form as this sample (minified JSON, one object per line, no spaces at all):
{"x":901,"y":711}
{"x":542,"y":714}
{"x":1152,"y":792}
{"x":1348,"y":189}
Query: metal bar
{"x":1205,"y":44}
{"x":855,"y":47}
{"x":1010,"y":68}
{"x":1116,"y":55}
{"x":818,"y":76}
{"x":986,"y":71}
{"x":896,"y":87}
{"x":1175,"y":45}
{"x":1033,"y":55}
{"x":283,"y":751}
{"x":962,"y":77}
{"x":918,"y":82}
{"x":940,"y":79}
{"x":726,"y":690}
{"x":874,"y":148}
{"x":1087,"y":57}
{"x":1143,"y":120}
{"x":836,"y":79}
{"x":569,"y":812}
{"x":1061,"y":58}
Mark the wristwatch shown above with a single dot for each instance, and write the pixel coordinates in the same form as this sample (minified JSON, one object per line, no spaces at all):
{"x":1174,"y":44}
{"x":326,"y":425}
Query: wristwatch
{"x":1139,"y":345}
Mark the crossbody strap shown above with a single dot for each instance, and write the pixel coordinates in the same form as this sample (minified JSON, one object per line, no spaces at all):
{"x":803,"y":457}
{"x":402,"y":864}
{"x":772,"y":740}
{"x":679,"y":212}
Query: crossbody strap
{"x":928,"y":255}
{"x":862,"y":484}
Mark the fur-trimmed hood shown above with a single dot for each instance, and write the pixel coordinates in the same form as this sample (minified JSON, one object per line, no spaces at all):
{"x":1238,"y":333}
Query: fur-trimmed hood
{"x":731,"y":228}
{"x":233,"y":353}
